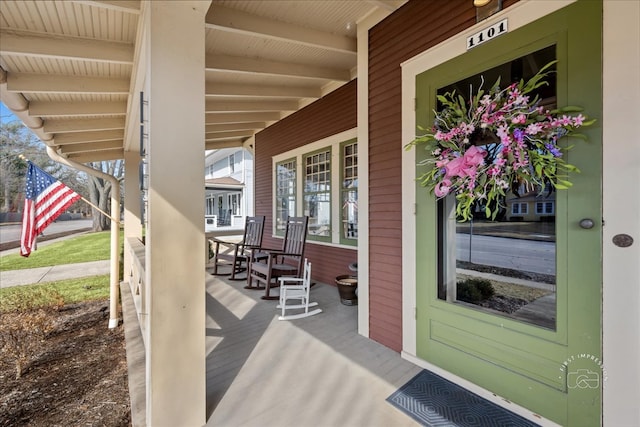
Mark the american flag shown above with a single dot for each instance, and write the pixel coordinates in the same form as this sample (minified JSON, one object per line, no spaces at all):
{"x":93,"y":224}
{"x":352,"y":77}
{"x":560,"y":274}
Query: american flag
{"x":45,"y":199}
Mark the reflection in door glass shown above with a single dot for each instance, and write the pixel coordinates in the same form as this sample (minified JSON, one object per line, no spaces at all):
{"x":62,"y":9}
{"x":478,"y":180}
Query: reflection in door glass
{"x":505,"y":266}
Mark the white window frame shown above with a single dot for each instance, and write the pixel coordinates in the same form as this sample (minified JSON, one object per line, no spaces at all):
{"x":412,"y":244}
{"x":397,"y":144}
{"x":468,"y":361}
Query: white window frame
{"x":522,"y":208}
{"x":544,"y":210}
{"x":333,"y":142}
{"x":232,"y":166}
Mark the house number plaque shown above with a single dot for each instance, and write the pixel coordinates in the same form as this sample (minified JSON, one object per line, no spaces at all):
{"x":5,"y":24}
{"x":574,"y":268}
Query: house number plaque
{"x":487,"y":34}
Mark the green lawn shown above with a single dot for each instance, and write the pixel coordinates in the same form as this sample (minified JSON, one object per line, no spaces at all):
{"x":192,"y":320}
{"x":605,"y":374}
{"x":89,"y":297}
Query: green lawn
{"x":45,"y":294}
{"x":84,"y":248}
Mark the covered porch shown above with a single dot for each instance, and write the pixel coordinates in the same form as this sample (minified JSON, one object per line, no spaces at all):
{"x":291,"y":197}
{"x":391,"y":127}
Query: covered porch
{"x":262,"y":371}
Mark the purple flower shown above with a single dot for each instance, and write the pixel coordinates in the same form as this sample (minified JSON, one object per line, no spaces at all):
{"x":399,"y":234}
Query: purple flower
{"x":553,"y":150}
{"x":518,"y":134}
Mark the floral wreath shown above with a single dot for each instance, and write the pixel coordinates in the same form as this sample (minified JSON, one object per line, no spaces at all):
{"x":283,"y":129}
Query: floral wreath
{"x":519,"y":145}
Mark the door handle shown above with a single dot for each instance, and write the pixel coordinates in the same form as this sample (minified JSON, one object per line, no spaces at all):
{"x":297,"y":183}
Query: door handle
{"x":586,"y":223}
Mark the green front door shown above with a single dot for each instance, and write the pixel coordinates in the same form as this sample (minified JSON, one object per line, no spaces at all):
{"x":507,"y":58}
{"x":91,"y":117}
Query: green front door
{"x":537,"y":341}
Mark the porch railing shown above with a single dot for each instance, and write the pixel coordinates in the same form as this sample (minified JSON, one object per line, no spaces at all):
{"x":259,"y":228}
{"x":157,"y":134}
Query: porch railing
{"x":136,"y":250}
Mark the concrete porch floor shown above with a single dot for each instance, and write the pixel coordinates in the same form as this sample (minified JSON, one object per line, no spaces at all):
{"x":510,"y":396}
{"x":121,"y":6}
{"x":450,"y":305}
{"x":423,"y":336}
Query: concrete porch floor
{"x":264,"y":372}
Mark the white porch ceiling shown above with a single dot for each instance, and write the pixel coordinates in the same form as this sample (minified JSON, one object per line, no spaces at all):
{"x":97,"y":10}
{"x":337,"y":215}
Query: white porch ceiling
{"x":67,"y":66}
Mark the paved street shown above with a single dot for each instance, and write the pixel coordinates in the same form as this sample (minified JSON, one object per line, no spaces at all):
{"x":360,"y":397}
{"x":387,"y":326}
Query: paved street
{"x":517,"y":254}
{"x":11,"y":232}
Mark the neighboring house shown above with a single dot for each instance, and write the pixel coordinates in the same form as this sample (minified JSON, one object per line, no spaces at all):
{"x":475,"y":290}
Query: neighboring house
{"x":531,"y":205}
{"x":228,"y":187}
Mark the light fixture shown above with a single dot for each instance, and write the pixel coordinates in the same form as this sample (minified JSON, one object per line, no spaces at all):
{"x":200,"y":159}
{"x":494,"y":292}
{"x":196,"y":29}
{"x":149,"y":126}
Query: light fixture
{"x":486,"y":8}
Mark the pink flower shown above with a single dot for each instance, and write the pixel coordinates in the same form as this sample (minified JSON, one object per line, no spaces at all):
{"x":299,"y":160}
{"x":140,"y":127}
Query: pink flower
{"x":442,"y":188}
{"x":467,"y":165}
{"x":533,"y":129}
{"x":519,"y":119}
{"x":493,"y":171}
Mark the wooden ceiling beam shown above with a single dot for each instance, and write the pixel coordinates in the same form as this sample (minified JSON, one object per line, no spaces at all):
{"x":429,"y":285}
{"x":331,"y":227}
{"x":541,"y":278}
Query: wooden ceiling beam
{"x":240,"y":106}
{"x":215,"y":118}
{"x":51,"y":83}
{"x":36,"y":45}
{"x":64,"y":109}
{"x":217,"y":145}
{"x":262,"y":66}
{"x":89,"y":136}
{"x":91,"y":146}
{"x":82,"y":125}
{"x":97,"y":156}
{"x":211,"y":136}
{"x":221,"y":89}
{"x":226,"y":19}
{"x":234,"y":126}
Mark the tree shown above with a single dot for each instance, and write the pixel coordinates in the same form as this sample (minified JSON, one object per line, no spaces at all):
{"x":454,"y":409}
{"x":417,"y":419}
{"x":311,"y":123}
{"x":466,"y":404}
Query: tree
{"x":15,"y":140}
{"x":100,"y":191}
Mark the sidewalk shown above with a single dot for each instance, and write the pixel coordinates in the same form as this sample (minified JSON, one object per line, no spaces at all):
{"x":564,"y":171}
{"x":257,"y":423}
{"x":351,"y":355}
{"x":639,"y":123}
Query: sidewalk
{"x":53,"y":273}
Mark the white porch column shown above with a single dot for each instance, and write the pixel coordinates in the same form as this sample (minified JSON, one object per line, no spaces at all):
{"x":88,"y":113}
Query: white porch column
{"x":621,"y":174}
{"x":175,"y":270}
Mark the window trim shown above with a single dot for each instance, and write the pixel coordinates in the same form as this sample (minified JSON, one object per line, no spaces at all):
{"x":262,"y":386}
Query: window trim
{"x":544,"y":211}
{"x":303,"y":176}
{"x":334,"y":141}
{"x":520,"y":205}
{"x":296,"y":163}
{"x":344,"y":240}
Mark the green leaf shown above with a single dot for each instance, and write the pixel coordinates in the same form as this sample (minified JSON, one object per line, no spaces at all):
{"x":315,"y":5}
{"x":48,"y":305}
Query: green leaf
{"x":579,"y":136}
{"x":571,"y":109}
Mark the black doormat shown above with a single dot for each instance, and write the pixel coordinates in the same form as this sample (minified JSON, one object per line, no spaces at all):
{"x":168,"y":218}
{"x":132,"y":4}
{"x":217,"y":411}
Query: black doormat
{"x":433,"y":401}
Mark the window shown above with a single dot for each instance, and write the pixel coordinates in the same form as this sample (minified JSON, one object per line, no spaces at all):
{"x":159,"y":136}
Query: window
{"x":349,"y":193}
{"x":317,"y":193}
{"x":210,"y":206}
{"x":234,"y":203}
{"x":544,"y":208}
{"x":285,"y":204}
{"x":232,"y":166}
{"x":320,"y":180}
{"x":520,"y":208}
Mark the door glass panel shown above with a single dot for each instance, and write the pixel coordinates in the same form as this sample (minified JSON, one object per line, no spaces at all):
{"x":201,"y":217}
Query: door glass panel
{"x":505,"y":266}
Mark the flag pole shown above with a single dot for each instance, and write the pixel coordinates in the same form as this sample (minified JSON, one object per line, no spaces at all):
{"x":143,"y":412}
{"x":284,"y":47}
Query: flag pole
{"x":21,"y":156}
{"x":100,"y":210}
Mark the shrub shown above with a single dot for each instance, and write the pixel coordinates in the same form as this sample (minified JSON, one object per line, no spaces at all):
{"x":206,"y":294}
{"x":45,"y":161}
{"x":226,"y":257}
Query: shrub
{"x":474,"y":290}
{"x":28,"y":298}
{"x":26,"y":322}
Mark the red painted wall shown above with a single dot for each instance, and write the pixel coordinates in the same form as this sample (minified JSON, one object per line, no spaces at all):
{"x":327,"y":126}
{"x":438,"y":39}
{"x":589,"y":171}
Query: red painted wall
{"x":332,"y":114}
{"x":412,"y":29}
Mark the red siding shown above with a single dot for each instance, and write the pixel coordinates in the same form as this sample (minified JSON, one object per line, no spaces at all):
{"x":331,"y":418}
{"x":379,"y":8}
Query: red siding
{"x":334,"y":113}
{"x":412,"y":29}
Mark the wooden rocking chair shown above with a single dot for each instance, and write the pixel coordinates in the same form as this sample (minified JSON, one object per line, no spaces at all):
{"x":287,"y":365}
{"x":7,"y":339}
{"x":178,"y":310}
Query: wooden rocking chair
{"x":269,"y":264}
{"x":294,"y":288}
{"x":237,"y":255}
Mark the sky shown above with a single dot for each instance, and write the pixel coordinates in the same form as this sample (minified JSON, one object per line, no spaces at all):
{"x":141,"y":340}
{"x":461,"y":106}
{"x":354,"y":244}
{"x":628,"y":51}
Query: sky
{"x":6,"y":115}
